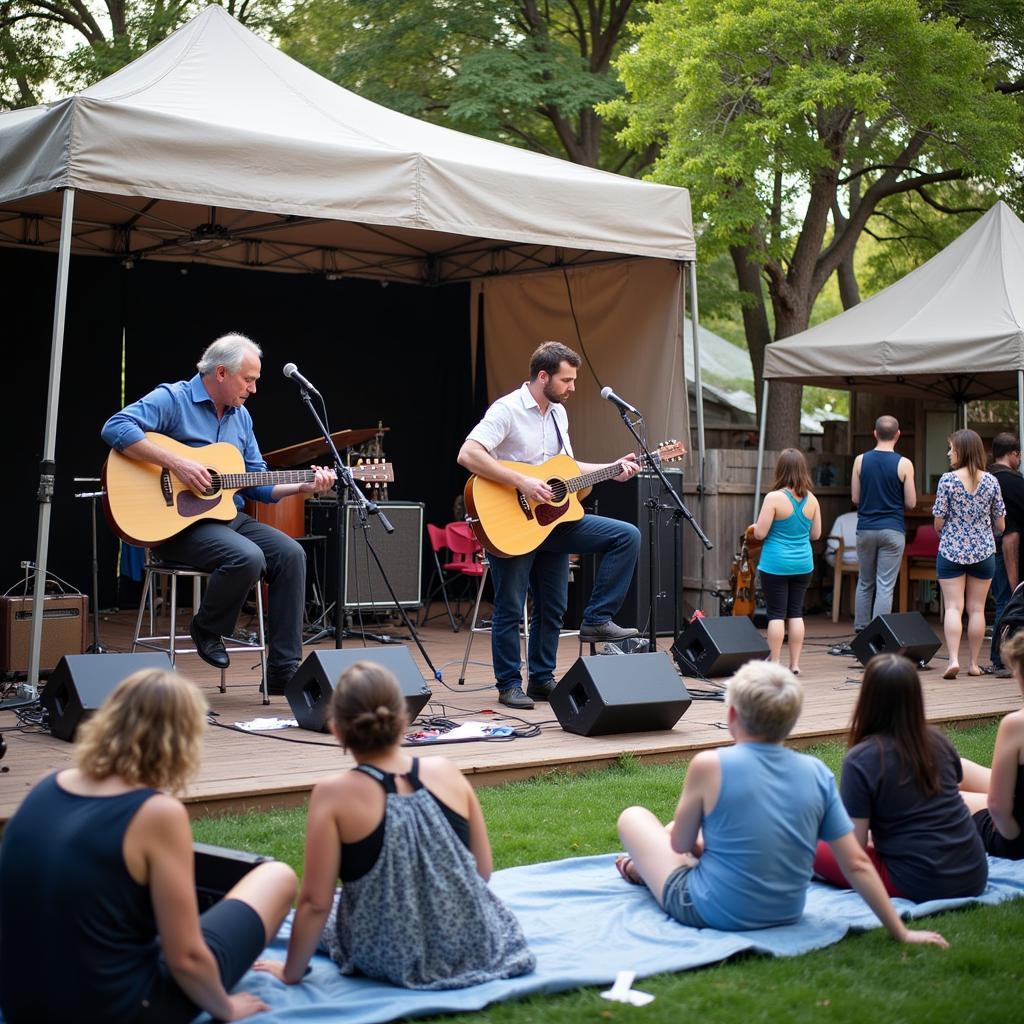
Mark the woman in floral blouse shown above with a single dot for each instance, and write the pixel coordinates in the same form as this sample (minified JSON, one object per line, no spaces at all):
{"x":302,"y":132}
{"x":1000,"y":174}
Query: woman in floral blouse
{"x":968,"y":506}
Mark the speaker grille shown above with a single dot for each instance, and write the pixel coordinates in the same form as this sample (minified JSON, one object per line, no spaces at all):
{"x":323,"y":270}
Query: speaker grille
{"x":401,"y":554}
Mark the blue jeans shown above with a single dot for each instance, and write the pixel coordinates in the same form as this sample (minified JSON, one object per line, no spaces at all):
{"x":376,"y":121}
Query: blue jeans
{"x":879,"y":553}
{"x":545,"y":573}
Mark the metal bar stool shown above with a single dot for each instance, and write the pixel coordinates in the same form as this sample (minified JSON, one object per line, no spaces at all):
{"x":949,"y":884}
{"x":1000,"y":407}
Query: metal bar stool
{"x":524,"y":629}
{"x":174,"y":643}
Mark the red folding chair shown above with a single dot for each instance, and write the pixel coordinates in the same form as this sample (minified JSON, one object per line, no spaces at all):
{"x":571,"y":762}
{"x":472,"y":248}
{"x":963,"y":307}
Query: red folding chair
{"x":438,"y":537}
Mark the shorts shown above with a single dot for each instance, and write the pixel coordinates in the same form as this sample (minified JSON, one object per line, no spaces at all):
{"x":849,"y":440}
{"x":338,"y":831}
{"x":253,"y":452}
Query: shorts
{"x":947,"y":570}
{"x":676,"y":901}
{"x":784,"y":594}
{"x":235,"y":935}
{"x":994,"y":843}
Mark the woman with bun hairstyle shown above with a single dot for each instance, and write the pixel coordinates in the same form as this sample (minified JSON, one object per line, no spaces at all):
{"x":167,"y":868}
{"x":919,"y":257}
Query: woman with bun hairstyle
{"x":98,"y":917}
{"x":900,"y":784}
{"x":408,"y":841}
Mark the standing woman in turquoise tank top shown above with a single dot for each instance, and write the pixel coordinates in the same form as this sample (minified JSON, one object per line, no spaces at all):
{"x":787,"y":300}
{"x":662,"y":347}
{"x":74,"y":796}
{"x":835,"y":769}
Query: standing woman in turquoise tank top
{"x":790,"y":518}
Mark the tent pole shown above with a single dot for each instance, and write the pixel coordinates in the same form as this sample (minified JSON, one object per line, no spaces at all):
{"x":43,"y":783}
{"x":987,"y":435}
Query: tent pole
{"x":1020,"y":404}
{"x":697,"y":379}
{"x":47,"y":469}
{"x":760,"y":448}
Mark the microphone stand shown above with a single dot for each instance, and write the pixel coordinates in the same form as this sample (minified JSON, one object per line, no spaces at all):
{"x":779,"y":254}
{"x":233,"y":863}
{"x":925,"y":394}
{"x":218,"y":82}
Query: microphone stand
{"x":364,"y":509}
{"x":653,"y":505}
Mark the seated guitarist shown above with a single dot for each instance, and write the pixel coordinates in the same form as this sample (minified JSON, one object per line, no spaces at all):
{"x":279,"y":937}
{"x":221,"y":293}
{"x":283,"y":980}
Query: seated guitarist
{"x":206,"y":409}
{"x":530,"y":425}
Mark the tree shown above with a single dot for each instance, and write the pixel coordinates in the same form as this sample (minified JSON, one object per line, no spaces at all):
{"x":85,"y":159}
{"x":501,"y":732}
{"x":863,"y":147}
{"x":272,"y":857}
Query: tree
{"x":794,"y":121}
{"x":105,"y":36}
{"x":518,"y":71}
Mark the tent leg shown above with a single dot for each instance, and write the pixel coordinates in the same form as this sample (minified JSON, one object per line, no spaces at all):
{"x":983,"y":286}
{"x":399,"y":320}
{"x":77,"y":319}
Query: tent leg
{"x":1020,"y":404}
{"x":760,"y":448}
{"x":697,"y":379}
{"x":47,"y":469}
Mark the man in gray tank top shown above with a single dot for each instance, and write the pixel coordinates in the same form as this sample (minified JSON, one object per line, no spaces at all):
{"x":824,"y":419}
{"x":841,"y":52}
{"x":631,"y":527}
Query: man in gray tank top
{"x":881,"y":487}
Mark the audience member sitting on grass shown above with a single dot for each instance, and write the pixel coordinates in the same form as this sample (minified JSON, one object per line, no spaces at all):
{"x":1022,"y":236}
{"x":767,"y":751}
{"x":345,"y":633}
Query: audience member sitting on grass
{"x":408,"y":841}
{"x":998,"y":803}
{"x":900,"y":785}
{"x":98,"y":910}
{"x":762,"y":808}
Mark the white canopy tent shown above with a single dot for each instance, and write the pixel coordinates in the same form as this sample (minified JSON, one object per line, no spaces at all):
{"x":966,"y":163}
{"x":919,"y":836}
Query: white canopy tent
{"x":215,"y":147}
{"x":954,"y":327}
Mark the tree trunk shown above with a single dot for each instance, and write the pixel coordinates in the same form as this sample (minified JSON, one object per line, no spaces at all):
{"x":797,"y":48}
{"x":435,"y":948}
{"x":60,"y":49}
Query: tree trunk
{"x":849,"y":289}
{"x":755,"y":317}
{"x":783,"y":418}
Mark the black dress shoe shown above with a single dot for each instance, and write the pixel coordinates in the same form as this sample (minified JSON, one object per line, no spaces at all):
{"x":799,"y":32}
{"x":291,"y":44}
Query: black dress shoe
{"x":515,"y":698}
{"x":209,"y":646}
{"x":540,"y":691}
{"x":590,"y":633}
{"x":277,"y":682}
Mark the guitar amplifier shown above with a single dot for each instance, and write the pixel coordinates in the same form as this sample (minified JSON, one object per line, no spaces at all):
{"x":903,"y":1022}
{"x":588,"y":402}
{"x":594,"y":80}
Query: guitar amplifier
{"x":65,"y":621}
{"x":401,"y":554}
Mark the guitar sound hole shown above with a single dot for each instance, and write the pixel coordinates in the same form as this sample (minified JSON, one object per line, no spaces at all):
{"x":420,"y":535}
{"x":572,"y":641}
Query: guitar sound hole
{"x":558,"y":490}
{"x":215,"y":485}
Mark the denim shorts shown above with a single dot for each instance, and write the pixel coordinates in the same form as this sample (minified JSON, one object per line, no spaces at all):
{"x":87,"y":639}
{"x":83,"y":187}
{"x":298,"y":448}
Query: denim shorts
{"x":947,"y":570}
{"x":675,"y":898}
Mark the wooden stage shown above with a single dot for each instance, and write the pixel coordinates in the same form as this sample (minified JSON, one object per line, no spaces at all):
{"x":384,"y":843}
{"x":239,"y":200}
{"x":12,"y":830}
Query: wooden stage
{"x":246,"y":770}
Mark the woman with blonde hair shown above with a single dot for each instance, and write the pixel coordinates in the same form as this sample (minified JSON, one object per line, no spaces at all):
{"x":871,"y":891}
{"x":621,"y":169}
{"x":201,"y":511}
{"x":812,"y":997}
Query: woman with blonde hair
{"x":97,"y":878}
{"x":968,"y":508}
{"x":408,"y":841}
{"x":790,"y":518}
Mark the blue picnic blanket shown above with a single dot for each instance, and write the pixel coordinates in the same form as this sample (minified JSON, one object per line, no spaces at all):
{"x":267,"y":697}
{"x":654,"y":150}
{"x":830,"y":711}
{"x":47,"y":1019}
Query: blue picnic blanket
{"x":585,"y":924}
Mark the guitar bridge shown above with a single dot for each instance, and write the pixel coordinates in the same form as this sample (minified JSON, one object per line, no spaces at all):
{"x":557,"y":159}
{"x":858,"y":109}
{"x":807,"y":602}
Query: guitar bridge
{"x":524,"y":505}
{"x":166,"y":489}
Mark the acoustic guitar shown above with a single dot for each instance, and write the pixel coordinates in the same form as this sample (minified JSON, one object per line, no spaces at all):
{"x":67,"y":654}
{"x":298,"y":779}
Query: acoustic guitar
{"x":744,"y":567}
{"x":146,"y":504}
{"x":508,"y":523}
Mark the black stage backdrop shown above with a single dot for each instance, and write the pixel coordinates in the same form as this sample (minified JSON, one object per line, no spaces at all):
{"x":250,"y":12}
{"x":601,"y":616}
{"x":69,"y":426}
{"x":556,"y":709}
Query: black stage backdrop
{"x":396,"y":353}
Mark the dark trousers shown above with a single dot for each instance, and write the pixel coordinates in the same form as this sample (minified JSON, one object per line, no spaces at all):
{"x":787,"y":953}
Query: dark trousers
{"x":236,"y":555}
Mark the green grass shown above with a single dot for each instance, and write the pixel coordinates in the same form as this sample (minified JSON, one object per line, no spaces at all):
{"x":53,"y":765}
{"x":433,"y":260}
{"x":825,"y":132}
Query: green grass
{"x":865,"y":977}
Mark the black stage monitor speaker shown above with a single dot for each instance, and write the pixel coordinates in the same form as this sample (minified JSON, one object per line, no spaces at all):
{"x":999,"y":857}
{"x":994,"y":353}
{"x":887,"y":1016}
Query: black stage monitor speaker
{"x":80,"y":684}
{"x":401,"y":554}
{"x":219,"y":870}
{"x":717,"y":647}
{"x":907,"y":634}
{"x":604,"y":694}
{"x":310,"y":689}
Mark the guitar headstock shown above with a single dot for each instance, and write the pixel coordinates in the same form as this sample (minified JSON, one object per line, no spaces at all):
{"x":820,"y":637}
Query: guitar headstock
{"x":376,"y":472}
{"x":668,"y":451}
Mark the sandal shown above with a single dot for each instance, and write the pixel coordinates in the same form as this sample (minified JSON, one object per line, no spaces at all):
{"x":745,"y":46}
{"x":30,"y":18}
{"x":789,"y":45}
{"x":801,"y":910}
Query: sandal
{"x":952,"y":672}
{"x":627,"y":869}
{"x":986,"y":671}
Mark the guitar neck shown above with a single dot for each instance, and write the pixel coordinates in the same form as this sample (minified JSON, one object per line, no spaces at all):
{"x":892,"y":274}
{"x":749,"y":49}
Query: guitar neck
{"x":237,"y":481}
{"x":578,"y":483}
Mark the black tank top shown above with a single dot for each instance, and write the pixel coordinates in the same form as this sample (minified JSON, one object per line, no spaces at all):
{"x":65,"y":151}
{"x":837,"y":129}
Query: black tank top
{"x":359,"y":857}
{"x":78,"y":938}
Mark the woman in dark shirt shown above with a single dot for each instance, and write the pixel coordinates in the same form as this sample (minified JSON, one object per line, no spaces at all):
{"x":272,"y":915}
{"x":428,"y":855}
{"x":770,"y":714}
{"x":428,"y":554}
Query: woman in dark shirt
{"x":409,"y":843}
{"x":98,"y":918}
{"x":900,"y":784}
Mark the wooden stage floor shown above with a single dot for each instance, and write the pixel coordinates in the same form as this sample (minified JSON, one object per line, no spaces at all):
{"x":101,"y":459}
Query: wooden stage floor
{"x":247,"y":770}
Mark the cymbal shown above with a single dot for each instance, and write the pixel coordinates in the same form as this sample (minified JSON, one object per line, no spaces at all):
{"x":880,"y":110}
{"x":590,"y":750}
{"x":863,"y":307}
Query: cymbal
{"x":310,"y":451}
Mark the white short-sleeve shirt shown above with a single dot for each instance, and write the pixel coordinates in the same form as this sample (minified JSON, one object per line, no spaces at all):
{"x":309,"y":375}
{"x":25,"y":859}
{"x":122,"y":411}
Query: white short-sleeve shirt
{"x":515,"y":430}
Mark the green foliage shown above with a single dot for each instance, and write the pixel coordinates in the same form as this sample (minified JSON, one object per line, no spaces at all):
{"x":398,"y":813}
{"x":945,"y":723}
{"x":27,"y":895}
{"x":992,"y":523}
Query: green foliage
{"x":510,"y":70}
{"x":52,"y":47}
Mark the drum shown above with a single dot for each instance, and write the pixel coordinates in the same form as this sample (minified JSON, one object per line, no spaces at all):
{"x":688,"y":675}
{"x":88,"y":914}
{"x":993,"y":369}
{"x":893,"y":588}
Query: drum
{"x":288,"y":515}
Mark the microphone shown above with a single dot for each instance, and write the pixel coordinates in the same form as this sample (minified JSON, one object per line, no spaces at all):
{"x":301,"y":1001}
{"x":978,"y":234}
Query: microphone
{"x":291,"y":370}
{"x":623,"y":405}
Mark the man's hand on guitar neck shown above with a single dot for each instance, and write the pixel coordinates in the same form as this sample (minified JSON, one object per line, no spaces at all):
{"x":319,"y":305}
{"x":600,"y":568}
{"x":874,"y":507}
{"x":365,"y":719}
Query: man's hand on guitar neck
{"x":629,"y":463}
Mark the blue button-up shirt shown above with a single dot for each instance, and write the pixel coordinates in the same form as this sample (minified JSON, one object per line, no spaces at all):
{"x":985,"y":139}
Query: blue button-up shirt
{"x":185,"y":412}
